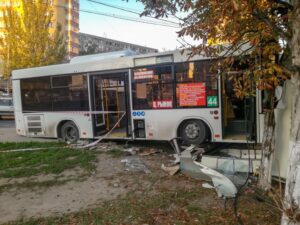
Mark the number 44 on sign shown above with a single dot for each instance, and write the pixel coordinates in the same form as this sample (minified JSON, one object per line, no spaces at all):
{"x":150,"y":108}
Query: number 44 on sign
{"x":212,"y":101}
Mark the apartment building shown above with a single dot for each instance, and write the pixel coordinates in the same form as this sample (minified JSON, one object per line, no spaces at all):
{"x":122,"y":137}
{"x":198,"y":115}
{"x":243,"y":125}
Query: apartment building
{"x":91,"y":44}
{"x":65,"y":12}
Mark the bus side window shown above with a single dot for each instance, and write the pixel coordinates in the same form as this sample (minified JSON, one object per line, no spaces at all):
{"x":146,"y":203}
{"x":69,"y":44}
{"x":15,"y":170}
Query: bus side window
{"x":153,"y":88}
{"x":201,"y":79}
{"x":70,"y":93}
{"x":36,"y":94}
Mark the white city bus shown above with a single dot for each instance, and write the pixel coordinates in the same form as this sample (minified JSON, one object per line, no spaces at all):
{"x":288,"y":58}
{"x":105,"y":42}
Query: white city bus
{"x":157,"y":96}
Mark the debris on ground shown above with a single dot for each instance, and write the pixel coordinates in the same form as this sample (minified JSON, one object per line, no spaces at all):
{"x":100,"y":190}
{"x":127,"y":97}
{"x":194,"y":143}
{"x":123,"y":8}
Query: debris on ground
{"x":222,"y":184}
{"x":171,"y":170}
{"x":132,"y":151}
{"x":148,"y":151}
{"x":189,"y":165}
{"x":103,"y":146}
{"x":177,"y":159}
{"x":142,"y":151}
{"x":80,"y":143}
{"x":207,"y":186}
{"x":135,"y":165}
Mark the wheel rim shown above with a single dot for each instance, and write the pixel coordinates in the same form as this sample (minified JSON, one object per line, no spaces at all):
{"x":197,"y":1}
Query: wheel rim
{"x":192,"y":130}
{"x":71,"y":134}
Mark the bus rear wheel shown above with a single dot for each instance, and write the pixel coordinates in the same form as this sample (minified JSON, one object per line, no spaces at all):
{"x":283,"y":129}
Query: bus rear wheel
{"x":193,"y":132}
{"x":69,"y":132}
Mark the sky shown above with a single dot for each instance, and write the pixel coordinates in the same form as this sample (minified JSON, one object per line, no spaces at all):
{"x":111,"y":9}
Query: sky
{"x":159,"y":37}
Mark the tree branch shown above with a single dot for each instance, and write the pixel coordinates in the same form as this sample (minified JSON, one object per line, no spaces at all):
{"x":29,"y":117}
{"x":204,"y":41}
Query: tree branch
{"x":262,"y":17}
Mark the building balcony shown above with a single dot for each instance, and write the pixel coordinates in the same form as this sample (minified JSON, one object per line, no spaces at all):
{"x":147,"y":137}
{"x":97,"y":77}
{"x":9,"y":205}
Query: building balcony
{"x":75,"y":4}
{"x":72,"y":23}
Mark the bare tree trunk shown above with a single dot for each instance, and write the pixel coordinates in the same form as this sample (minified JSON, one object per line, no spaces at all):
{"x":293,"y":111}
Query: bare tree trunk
{"x":291,"y":215}
{"x":292,"y":188}
{"x":268,"y":146}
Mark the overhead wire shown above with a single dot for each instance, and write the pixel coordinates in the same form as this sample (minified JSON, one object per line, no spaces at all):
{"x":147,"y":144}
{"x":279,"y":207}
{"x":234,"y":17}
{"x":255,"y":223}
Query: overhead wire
{"x":128,"y":18}
{"x":107,"y":21}
{"x":130,"y":11}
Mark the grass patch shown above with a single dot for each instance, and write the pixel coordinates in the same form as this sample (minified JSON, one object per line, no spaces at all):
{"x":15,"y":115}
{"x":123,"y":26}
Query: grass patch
{"x":54,"y":160}
{"x":170,"y":207}
{"x":23,"y":145}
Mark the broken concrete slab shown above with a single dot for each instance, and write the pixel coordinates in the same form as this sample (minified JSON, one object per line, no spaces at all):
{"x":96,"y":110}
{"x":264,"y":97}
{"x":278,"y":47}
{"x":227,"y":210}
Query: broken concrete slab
{"x":171,"y":170}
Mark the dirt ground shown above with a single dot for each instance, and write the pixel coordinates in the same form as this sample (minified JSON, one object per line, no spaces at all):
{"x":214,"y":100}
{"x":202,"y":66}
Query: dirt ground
{"x":73,"y":191}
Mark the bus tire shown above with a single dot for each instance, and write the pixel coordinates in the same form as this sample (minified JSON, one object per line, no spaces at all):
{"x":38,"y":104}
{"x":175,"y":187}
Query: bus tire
{"x":69,"y":132}
{"x":194,"y":132}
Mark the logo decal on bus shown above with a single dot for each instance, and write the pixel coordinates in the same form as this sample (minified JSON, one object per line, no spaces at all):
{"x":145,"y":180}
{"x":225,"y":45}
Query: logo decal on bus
{"x":138,"y":113}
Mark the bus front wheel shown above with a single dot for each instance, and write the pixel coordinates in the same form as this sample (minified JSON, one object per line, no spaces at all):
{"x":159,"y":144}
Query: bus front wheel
{"x":69,"y":132}
{"x":193,"y":132}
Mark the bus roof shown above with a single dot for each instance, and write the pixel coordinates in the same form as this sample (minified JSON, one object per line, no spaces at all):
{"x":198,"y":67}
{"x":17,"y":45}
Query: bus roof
{"x":107,"y":62}
{"x":106,"y":55}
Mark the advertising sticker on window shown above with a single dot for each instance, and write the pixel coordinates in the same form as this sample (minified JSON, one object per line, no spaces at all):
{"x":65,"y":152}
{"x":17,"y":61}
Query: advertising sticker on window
{"x":164,"y":104}
{"x":192,"y":94}
{"x":143,"y":74}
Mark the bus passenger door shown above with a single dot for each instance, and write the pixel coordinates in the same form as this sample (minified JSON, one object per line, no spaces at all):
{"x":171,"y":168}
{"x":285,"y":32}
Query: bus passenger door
{"x":238,"y":113}
{"x":111,"y":105}
{"x":98,"y":117}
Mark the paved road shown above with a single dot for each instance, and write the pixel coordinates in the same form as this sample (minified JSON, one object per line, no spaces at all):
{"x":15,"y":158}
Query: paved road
{"x":8,"y":133}
{"x":7,"y":123}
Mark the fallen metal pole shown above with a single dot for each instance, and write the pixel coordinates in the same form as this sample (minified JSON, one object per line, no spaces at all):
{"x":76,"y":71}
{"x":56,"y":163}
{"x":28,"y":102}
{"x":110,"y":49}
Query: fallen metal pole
{"x":176,"y":146}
